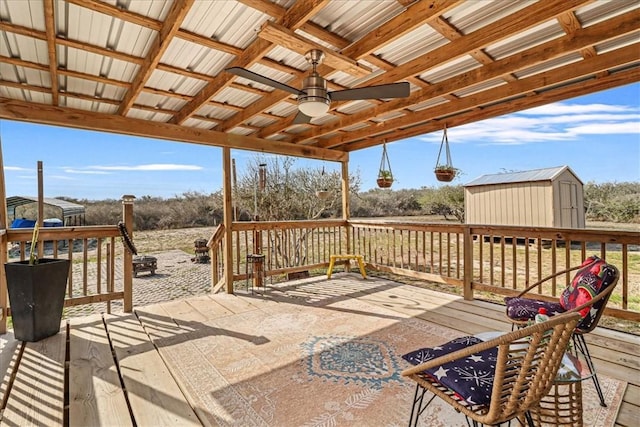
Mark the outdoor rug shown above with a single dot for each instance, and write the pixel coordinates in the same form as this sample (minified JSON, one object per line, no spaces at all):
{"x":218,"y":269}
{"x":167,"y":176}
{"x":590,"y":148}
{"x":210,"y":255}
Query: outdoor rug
{"x":336,"y":364}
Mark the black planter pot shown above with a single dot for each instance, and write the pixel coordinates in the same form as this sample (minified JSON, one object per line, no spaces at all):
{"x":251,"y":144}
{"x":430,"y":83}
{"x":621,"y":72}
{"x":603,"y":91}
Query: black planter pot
{"x":36,"y":297}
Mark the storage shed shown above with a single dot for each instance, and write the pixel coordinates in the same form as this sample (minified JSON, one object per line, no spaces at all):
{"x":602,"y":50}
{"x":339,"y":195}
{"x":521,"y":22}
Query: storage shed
{"x":551,"y":197}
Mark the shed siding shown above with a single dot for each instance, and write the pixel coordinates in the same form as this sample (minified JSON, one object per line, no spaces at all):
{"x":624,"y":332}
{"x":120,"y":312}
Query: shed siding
{"x":528,"y":203}
{"x":557,"y":201}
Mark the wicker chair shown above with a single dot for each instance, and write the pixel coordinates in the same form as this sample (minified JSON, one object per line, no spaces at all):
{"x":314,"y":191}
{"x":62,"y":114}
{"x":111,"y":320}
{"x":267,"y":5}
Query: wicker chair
{"x":587,"y":294}
{"x":522,"y":367}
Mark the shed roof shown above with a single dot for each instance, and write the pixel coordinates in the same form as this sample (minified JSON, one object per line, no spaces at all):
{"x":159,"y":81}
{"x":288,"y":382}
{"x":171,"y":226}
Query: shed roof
{"x":546,"y":174}
{"x":156,"y":68}
{"x":68,"y":208}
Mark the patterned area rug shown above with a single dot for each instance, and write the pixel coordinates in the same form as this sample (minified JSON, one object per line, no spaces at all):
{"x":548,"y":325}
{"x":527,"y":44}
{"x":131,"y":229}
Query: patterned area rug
{"x":332,"y":365}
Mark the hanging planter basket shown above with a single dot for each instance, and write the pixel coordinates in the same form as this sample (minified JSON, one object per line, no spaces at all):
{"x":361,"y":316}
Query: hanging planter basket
{"x":445,"y":172}
{"x":323,"y":192}
{"x":445,"y":175}
{"x":385,"y":176}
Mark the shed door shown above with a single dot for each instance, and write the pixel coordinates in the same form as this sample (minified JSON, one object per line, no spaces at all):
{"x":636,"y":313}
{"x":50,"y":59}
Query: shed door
{"x":568,"y":204}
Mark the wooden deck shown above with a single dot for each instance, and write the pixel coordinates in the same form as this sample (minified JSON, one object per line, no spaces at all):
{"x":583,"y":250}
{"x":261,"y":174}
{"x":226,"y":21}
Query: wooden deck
{"x":106,"y":370}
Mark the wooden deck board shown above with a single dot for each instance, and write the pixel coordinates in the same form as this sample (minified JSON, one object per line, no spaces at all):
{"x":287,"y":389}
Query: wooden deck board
{"x":95,"y":393}
{"x":37,"y":394}
{"x":153,"y":394}
{"x":235,"y":304}
{"x":207,"y":307}
{"x":9,"y":351}
{"x":183,"y":309}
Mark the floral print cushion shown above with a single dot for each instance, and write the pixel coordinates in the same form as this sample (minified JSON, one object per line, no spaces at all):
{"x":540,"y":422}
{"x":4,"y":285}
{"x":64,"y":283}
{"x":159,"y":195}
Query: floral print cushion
{"x":471,"y":378}
{"x":593,"y":277}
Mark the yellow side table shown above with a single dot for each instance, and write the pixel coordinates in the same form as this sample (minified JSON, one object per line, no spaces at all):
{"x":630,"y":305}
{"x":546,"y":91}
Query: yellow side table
{"x":358,"y":258}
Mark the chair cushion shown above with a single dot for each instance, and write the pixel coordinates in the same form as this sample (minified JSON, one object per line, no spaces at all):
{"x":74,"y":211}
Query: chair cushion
{"x":593,"y":277}
{"x":524,"y":309}
{"x":470,"y":378}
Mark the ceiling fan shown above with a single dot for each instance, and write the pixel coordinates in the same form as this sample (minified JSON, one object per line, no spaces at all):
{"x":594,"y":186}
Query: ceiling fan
{"x":314,"y":99}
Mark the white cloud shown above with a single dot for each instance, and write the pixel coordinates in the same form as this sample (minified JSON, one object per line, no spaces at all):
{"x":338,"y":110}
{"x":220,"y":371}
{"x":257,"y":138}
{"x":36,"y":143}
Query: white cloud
{"x":86,"y":172}
{"x":150,"y":167}
{"x":15,"y":168}
{"x":566,"y":108}
{"x":606,"y":128}
{"x":553,"y":122}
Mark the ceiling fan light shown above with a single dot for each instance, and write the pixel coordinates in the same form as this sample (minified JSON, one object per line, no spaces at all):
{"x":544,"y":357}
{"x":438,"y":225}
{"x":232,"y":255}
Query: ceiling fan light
{"x":313,"y":106}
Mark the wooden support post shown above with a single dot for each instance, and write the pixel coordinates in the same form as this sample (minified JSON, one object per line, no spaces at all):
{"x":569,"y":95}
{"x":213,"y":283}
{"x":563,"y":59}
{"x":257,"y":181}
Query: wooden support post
{"x":345,"y":204}
{"x":257,"y":250}
{"x":127,"y":218}
{"x":467,"y":245}
{"x":3,"y":249}
{"x":228,"y":219}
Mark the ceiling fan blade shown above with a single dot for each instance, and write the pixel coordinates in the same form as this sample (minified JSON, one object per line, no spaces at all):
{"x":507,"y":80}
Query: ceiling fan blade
{"x":242,"y":72}
{"x":301,"y":119}
{"x":392,"y":90}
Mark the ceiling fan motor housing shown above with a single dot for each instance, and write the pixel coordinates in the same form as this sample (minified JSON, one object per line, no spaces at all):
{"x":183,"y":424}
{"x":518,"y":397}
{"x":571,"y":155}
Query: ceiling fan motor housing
{"x":315,"y":96}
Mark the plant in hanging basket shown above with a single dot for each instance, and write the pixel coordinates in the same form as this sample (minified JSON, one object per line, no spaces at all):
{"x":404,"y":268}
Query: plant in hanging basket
{"x":445,"y":173}
{"x":323,"y":194}
{"x":385,"y":179}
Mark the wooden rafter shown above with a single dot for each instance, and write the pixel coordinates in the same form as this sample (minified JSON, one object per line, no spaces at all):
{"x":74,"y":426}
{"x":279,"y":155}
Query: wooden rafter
{"x":80,"y":119}
{"x":179,"y":10}
{"x":298,"y":14}
{"x":577,"y":41}
{"x":49,"y":25}
{"x":598,"y":41}
{"x":510,"y":90}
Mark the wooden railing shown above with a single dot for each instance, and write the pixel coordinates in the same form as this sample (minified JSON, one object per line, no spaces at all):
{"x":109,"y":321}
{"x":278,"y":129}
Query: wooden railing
{"x":216,"y":253}
{"x":288,"y":246}
{"x":101,"y":269}
{"x":497,"y":260}
{"x":92,"y":252}
{"x":490,"y":259}
{"x":500,"y":260}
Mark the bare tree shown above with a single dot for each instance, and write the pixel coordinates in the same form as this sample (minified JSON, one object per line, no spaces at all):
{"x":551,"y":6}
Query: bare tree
{"x":289,"y":193}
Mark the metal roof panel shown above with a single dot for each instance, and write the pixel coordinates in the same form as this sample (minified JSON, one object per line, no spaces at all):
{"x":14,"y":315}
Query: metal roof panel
{"x":422,"y":40}
{"x":229,"y":22}
{"x":353,"y":20}
{"x":546,"y":174}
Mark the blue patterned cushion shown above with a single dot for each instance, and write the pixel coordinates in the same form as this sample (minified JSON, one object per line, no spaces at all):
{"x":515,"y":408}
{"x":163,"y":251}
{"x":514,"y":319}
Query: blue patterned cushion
{"x":471,"y":378}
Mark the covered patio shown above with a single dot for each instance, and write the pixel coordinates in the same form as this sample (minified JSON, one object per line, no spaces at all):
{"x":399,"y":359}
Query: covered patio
{"x":237,"y":75}
{"x":245,"y":359}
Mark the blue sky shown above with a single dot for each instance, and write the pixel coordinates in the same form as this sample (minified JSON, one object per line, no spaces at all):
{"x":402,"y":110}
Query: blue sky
{"x":597,"y":136}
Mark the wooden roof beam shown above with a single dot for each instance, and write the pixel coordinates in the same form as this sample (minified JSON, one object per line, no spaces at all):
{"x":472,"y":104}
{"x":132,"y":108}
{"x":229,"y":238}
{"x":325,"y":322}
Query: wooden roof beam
{"x":145,"y":21}
{"x":41,"y":35}
{"x":580,"y":39}
{"x":277,"y":34}
{"x":176,"y":15}
{"x":299,"y":13}
{"x":412,"y":17}
{"x":50,"y":30}
{"x":499,"y":109}
{"x":498,"y":30}
{"x":575,"y":71}
{"x":82,"y":119}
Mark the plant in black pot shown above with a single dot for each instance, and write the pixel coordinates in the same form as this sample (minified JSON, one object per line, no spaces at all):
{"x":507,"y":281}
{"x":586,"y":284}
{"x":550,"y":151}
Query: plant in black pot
{"x":36,"y":294}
